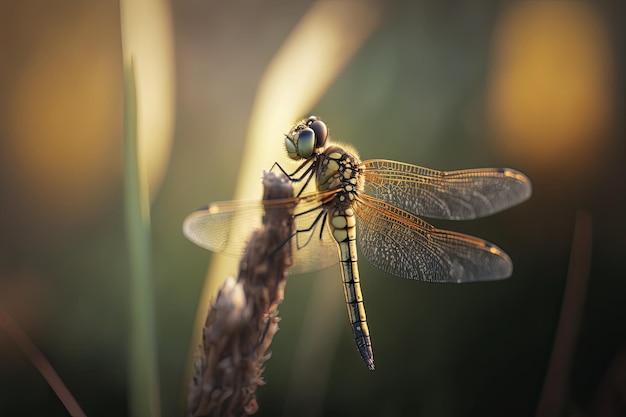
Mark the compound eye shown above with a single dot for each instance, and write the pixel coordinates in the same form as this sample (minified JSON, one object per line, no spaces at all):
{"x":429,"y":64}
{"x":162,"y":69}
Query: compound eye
{"x":305,"y":142}
{"x":321,"y":133}
{"x":311,"y":119}
{"x":291,"y":148}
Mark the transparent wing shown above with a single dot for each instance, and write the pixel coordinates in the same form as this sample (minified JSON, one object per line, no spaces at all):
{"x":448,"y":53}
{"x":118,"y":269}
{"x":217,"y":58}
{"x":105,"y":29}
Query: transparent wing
{"x":455,"y":195}
{"x":225,"y":227}
{"x":402,"y":244}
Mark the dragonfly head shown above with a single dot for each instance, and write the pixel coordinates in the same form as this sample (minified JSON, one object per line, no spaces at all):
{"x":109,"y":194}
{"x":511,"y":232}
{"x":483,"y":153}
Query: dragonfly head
{"x":305,"y":138}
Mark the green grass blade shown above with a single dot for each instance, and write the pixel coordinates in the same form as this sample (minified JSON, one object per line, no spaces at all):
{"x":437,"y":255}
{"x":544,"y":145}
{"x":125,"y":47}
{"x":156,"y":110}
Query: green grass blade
{"x":143,"y":371}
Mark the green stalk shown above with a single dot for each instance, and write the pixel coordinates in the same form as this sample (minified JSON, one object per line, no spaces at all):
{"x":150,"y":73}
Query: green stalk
{"x":143,"y":371}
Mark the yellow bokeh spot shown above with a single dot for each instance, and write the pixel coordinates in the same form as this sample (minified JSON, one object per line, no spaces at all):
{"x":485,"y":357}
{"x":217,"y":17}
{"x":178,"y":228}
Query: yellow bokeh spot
{"x":63,"y":147}
{"x":550,"y":99}
{"x":64,"y":126}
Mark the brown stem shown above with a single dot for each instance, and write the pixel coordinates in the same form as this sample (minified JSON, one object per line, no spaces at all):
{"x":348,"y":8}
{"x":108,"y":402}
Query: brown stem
{"x":556,"y":385}
{"x":42,"y":364}
{"x":243,"y":317}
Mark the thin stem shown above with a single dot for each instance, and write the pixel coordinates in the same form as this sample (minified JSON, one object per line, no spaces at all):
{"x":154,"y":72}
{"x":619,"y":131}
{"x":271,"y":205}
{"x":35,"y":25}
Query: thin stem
{"x":556,"y":385}
{"x":41,"y":363}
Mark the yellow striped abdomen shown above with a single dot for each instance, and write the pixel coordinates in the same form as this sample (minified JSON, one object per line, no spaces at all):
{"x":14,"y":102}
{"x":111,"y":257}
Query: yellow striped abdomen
{"x":343,"y":227}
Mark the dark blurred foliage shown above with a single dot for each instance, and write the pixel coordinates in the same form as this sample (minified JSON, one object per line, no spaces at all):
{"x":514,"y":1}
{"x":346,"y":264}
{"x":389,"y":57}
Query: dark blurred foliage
{"x":447,"y":85}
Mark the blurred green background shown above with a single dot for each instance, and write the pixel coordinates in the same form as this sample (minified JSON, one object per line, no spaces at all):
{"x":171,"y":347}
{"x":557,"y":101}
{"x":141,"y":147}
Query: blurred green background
{"x":536,"y":86}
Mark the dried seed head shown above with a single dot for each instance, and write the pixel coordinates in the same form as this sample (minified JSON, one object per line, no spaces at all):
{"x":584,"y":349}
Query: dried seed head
{"x":243,"y":318}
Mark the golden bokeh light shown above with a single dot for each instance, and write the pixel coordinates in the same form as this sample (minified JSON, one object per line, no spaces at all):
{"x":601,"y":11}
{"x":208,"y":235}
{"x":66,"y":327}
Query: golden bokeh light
{"x":63,"y":125}
{"x":550,"y":98}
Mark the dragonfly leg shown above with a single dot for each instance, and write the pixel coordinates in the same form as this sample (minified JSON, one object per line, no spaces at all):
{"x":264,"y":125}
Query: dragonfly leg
{"x":293,"y":176}
{"x":322,"y":215}
{"x":308,"y":173}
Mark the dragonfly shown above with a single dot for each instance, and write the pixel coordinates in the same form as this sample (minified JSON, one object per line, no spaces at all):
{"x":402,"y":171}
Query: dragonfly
{"x":373,"y":208}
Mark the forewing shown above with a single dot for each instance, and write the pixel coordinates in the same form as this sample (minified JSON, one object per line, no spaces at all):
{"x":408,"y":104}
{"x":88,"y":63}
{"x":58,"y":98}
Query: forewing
{"x":454,"y":195}
{"x":225,"y":227}
{"x":402,"y":244}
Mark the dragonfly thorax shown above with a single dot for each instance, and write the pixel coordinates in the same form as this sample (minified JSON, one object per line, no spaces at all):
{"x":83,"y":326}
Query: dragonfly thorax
{"x":340,"y":169}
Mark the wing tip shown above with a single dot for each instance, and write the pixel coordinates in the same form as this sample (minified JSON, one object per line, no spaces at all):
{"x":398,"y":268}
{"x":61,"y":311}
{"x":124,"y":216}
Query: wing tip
{"x":526,"y":188}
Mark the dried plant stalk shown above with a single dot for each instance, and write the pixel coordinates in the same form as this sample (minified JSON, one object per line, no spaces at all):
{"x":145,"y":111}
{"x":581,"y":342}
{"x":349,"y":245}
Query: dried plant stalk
{"x":243,"y":317}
